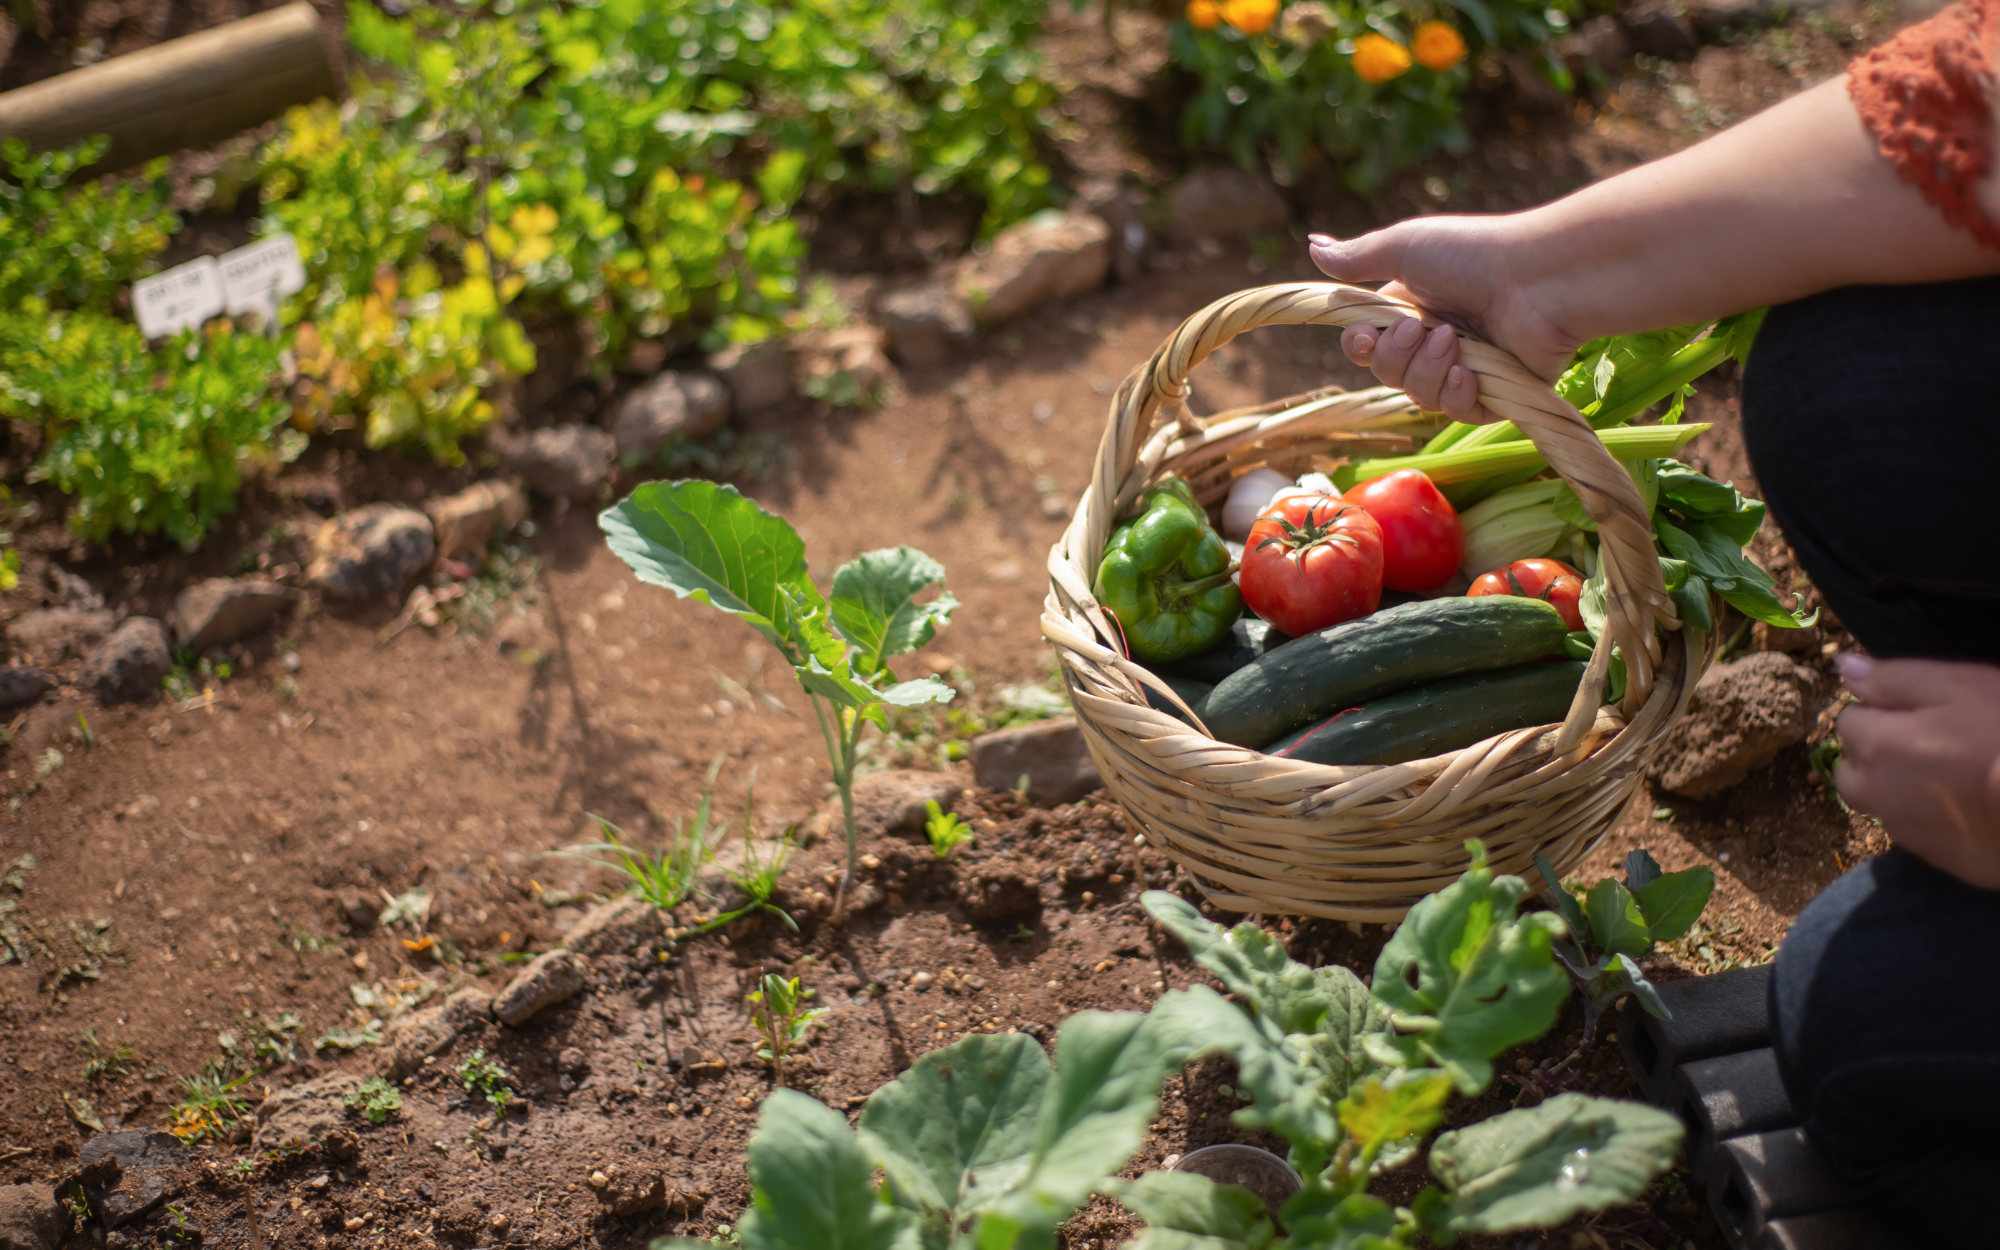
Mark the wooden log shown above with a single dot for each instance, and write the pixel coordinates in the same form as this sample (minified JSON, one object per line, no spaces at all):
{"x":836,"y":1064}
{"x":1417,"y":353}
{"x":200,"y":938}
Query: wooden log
{"x":186,"y":93}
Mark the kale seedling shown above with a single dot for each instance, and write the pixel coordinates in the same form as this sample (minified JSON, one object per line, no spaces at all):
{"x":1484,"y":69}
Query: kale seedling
{"x":1614,"y":924}
{"x":778,"y":1010}
{"x":489,"y":1078}
{"x":376,"y":1100}
{"x":945,"y":830}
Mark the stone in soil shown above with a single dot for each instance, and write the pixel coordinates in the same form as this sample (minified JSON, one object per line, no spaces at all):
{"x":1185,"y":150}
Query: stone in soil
{"x":370,"y":551}
{"x":619,"y":927}
{"x":1049,"y":753}
{"x":666,"y":408}
{"x":564,"y":461}
{"x":758,"y":375}
{"x":1742,"y":714}
{"x":926,"y":324}
{"x":29,"y":1218}
{"x":1221,"y":201}
{"x":302,"y":1114}
{"x":216,"y":610}
{"x":1048,"y":257}
{"x":411,"y":1039}
{"x":128,"y":665}
{"x":137,"y":1167}
{"x":553,"y":978}
{"x":893,"y":801}
{"x":22,"y":685}
{"x":464,"y":523}
{"x":52,"y":635}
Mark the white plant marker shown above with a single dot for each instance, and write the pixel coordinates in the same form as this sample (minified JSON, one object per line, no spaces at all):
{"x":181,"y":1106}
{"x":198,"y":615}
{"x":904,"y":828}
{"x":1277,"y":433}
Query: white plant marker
{"x":183,"y":296}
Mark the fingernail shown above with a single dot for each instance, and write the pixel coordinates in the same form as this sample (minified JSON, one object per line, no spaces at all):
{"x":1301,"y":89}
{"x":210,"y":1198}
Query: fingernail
{"x":1440,"y":342}
{"x":1363,"y":344}
{"x":1854,"y":667}
{"x":1455,"y":379}
{"x":1321,"y":240}
{"x":1406,"y":332}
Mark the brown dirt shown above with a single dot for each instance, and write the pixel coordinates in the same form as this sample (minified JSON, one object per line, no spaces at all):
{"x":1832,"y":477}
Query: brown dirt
{"x":234,"y":841}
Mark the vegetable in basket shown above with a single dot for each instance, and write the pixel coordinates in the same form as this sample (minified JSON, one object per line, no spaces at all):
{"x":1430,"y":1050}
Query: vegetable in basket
{"x":1422,"y":540}
{"x":1165,"y":576}
{"x":1551,"y":581}
{"x":1443,"y":716}
{"x":1311,"y":562}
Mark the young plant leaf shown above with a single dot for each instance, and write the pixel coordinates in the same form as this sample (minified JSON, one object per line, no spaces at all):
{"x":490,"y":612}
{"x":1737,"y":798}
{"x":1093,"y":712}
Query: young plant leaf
{"x":1673,"y":901}
{"x":707,"y":542}
{"x":959,"y":1125}
{"x":875,"y":604}
{"x":1334,"y":1049}
{"x":1616,"y":925}
{"x":1562,"y":900}
{"x":1288,"y":1084}
{"x":1643,"y":990}
{"x":1720,"y":562}
{"x":1641,"y":869}
{"x":1466,"y":978}
{"x":1701,"y":498}
{"x":1204,"y":1214}
{"x":1247,"y":960}
{"x":1383,"y":1112}
{"x":811,"y":1186}
{"x":1536,"y":1168}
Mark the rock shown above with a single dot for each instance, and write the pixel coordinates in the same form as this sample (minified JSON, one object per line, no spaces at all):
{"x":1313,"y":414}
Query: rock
{"x":21,"y":685}
{"x":997,"y":890}
{"x":127,"y":665}
{"x":1050,"y":752}
{"x":1742,"y":714}
{"x":411,"y":1039}
{"x":619,"y":927}
{"x":926,"y":324}
{"x":216,"y":610}
{"x":140,"y":1165}
{"x":1656,"y":29}
{"x":1600,"y":43}
{"x":758,"y":375}
{"x":29,"y":1218}
{"x":669,"y":407}
{"x":844,"y":367}
{"x":1221,"y":200}
{"x":370,"y":551}
{"x":553,"y":978}
{"x":53,"y":635}
{"x":468,"y":1008}
{"x":565,"y":461}
{"x":894,"y":801}
{"x":464,"y":523}
{"x":1048,"y":257}
{"x":1712,"y":18}
{"x":300,"y":1115}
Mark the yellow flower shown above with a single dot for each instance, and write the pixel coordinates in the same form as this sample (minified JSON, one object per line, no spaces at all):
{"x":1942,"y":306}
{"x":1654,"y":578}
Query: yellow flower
{"x":1204,"y":14}
{"x":1378,"y":58}
{"x":1438,"y":46}
{"x":1252,"y":17}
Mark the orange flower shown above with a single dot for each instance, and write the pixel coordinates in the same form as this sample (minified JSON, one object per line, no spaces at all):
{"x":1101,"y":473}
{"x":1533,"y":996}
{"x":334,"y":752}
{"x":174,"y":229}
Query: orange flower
{"x":1437,"y":46}
{"x":1252,"y":17}
{"x":1204,"y":14}
{"x":1378,"y":58}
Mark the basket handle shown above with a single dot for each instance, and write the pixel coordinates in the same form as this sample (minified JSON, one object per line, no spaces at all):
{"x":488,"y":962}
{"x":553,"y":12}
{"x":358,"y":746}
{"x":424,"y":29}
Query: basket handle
{"x":1636,"y":592}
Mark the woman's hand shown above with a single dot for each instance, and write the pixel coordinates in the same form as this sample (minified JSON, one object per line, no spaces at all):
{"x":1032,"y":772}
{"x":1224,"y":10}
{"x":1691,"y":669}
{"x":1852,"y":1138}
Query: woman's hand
{"x":1921,"y":752}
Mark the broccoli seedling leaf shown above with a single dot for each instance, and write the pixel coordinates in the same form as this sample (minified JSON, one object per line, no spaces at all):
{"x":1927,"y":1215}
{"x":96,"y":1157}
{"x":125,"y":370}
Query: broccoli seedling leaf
{"x":875,"y":606}
{"x":811,"y":1185}
{"x":1617,"y":927}
{"x":1673,"y":901}
{"x":1384,"y":1112}
{"x":1562,"y":900}
{"x":1247,"y":960}
{"x":959,"y":1125}
{"x":1537,"y":1167}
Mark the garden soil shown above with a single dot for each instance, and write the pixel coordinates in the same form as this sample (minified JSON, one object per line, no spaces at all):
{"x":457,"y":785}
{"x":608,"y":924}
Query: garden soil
{"x":208,"y":869}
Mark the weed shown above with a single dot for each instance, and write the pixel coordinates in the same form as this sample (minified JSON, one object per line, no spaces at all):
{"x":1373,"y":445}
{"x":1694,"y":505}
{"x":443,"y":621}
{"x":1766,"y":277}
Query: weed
{"x":778,"y":1010}
{"x":243,"y":1169}
{"x":667,"y":879}
{"x":1825,"y":760}
{"x":209,"y":1106}
{"x":376,"y":1100}
{"x":84,"y":732}
{"x":945,"y":830}
{"x":489,"y":1078}
{"x":103,"y":1059}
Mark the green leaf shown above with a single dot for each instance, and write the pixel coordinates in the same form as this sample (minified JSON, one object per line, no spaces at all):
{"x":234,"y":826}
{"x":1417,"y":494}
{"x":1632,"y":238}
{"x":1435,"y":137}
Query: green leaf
{"x":1466,"y":978}
{"x":1701,"y":498}
{"x":959,"y":1125}
{"x":1538,"y":1167}
{"x":1616,"y":925}
{"x":1642,"y":989}
{"x":1690,"y":593}
{"x":914,"y":693}
{"x":1358,"y":1222}
{"x":1204,"y":1213}
{"x":1673,"y":901}
{"x":875,"y":604}
{"x":1287,"y":1078}
{"x":1565,"y":903}
{"x":1247,"y":960}
{"x":1720,"y":561}
{"x":707,"y":542}
{"x":1641,"y":869}
{"x":811,"y":1185}
{"x":1406,"y":1105}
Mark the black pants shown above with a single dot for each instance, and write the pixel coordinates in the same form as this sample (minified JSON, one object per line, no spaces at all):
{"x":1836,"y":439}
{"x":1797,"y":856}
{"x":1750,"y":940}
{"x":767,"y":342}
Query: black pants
{"x":1871,"y":417}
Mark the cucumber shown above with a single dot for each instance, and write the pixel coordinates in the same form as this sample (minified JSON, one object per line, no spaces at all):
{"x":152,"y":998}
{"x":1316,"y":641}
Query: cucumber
{"x":1191,"y":693}
{"x":1343,"y":666}
{"x":1443,"y":716}
{"x":1249,"y":638}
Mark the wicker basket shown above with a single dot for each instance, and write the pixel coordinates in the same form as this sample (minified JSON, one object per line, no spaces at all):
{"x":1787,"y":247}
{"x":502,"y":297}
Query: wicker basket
{"x":1263,"y":834}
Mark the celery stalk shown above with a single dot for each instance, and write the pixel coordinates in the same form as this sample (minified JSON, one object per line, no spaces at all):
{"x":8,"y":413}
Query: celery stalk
{"x":1632,"y":442}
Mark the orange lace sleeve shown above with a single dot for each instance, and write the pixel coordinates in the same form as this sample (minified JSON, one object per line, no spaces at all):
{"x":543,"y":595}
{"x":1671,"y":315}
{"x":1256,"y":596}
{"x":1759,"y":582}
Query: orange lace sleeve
{"x":1926,"y":95}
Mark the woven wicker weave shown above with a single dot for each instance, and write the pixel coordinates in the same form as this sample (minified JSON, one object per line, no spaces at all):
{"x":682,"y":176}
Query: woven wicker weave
{"x":1263,"y":834}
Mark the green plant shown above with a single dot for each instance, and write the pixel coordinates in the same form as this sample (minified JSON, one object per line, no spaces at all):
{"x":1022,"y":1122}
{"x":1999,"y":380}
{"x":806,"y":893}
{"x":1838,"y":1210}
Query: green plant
{"x":709,"y":543}
{"x":668,"y":878}
{"x":103,"y":1059}
{"x":377,"y":1100}
{"x":209,"y":1107}
{"x":488,"y":1078}
{"x":70,"y":243}
{"x":1824,"y":756}
{"x":778,"y":1010}
{"x":945,"y":830}
{"x":1614,"y":923}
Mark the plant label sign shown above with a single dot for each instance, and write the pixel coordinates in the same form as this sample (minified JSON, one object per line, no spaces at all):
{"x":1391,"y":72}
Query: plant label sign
{"x":178,"y":299}
{"x":256,"y":277}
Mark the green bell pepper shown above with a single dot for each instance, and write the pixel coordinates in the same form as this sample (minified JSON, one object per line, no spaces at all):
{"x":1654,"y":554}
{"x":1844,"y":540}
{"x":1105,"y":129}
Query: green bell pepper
{"x":1165,"y":576}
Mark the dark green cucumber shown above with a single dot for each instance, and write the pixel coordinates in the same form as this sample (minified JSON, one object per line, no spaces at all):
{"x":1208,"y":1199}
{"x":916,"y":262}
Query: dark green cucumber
{"x":1343,"y":666}
{"x":1249,"y":638}
{"x":1191,"y":693}
{"x":1442,"y":716}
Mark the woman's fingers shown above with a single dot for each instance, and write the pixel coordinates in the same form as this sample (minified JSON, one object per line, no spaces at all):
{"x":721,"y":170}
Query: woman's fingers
{"x":1424,"y":380}
{"x":1357,"y":343}
{"x":1424,"y":363}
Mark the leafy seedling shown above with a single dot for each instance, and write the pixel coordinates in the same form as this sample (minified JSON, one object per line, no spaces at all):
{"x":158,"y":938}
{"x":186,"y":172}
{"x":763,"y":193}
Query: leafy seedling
{"x":376,"y":1100}
{"x":667,"y":879}
{"x":945,"y":830}
{"x":778,"y":1010}
{"x":1614,"y":924}
{"x":209,"y":1106}
{"x":488,"y":1078}
{"x":103,"y":1059}
{"x":707,"y":542}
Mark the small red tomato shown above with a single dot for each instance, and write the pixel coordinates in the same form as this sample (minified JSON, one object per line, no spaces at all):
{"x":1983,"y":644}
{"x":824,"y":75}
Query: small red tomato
{"x":1422,"y":541}
{"x":1551,"y":581}
{"x":1311,"y":562}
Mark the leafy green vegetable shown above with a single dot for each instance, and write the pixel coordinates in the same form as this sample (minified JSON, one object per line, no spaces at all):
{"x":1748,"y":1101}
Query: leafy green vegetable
{"x":1719,"y":561}
{"x":1619,"y":922}
{"x":1535,"y":1168}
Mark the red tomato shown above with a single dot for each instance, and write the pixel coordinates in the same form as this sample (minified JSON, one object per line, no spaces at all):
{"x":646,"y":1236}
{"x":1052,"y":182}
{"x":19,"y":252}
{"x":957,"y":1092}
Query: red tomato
{"x":1422,"y":541}
{"x":1551,"y":581}
{"x":1311,"y":562}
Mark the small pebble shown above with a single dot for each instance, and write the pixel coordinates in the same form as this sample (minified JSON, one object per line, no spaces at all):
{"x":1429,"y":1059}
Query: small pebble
{"x":871,"y":862}
{"x":1089,"y":898}
{"x":1117,"y":878}
{"x":353,"y":1223}
{"x":599,"y":1180}
{"x":499,"y":1222}
{"x":921,"y":981}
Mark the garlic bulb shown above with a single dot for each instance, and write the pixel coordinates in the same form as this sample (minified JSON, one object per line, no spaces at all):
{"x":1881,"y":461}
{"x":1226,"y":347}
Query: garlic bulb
{"x":1249,"y":495}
